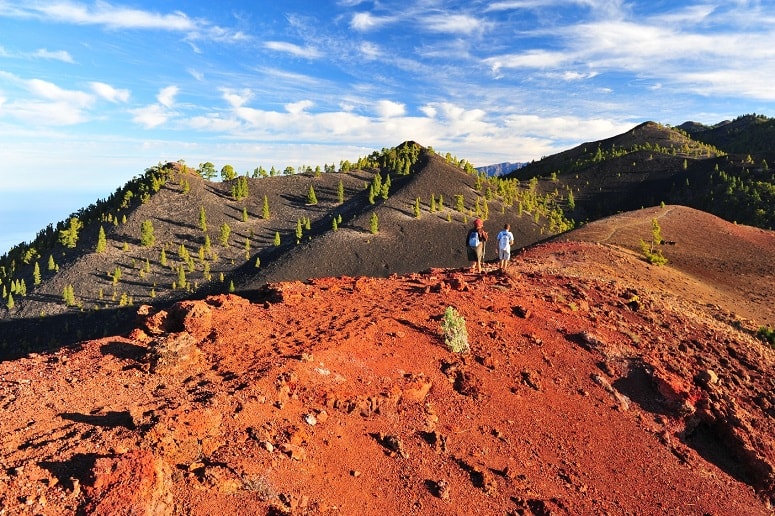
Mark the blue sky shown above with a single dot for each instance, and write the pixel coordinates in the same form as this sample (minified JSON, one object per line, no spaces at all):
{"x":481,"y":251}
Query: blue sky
{"x":93,"y":93}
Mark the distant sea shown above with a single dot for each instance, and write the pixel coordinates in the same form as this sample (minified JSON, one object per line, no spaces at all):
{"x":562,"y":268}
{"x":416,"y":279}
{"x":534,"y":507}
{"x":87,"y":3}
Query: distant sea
{"x":24,"y":214}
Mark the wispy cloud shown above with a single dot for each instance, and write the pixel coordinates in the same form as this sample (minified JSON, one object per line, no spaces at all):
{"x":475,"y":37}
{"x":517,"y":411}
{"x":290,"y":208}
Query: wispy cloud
{"x":57,"y":55}
{"x":365,"y":21}
{"x":295,"y":50}
{"x":109,"y":93}
{"x":41,"y":53}
{"x":117,"y":17}
{"x":454,"y":24}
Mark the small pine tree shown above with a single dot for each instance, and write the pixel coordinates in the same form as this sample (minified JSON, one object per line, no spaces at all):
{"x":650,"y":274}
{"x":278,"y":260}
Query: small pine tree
{"x":163,"y":258}
{"x":460,"y":203}
{"x":371,"y":194}
{"x":224,"y":236}
{"x":258,"y":262}
{"x":231,"y":286}
{"x":433,"y":203}
{"x":244,"y":214}
{"x":181,"y":277}
{"x":52,"y":266}
{"x":334,"y":225}
{"x":36,"y":274}
{"x":299,"y":231}
{"x":102,"y":242}
{"x":276,"y":238}
{"x":311,"y":197}
{"x":9,"y":302}
{"x":416,"y":208}
{"x":374,"y":223}
{"x":265,"y":209}
{"x":147,"y":238}
{"x":340,"y":192}
{"x":202,"y":219}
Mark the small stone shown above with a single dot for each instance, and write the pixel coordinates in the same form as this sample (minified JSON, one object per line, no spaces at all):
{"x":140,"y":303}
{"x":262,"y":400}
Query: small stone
{"x":310,"y":419}
{"x":707,"y":377}
{"x":355,"y":473}
{"x":442,"y":489}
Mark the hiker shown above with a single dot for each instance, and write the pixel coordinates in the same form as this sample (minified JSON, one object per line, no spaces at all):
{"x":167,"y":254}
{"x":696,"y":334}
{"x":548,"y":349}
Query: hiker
{"x":505,"y":240}
{"x":475,"y":241}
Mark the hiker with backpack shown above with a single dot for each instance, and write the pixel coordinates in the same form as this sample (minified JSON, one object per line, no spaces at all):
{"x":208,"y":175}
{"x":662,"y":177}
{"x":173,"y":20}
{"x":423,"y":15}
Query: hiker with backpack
{"x":475,"y":241}
{"x":505,"y":240}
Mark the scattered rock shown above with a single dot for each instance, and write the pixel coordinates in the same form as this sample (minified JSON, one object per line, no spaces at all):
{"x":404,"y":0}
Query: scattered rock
{"x":133,"y":483}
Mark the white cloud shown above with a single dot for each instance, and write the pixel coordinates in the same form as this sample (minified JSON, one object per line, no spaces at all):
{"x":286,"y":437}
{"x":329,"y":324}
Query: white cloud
{"x":166,"y":96}
{"x":50,"y":91}
{"x":364,"y":21}
{"x":57,"y":55}
{"x":454,"y":24}
{"x":108,"y":92}
{"x":236,"y":98}
{"x":150,"y":116}
{"x":389,"y":109}
{"x":103,"y":13}
{"x":369,"y":50}
{"x":296,"y":108}
{"x":540,"y":59}
{"x":295,"y":50}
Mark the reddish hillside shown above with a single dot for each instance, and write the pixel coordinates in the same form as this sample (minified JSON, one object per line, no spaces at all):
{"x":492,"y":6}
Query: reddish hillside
{"x":596,"y":384}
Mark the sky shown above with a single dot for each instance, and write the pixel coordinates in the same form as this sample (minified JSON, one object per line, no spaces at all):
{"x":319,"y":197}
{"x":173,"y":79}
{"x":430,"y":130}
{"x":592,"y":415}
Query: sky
{"x":92,"y":93}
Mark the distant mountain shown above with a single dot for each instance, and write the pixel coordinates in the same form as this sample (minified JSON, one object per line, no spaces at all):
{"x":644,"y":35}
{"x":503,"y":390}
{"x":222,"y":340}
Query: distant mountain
{"x":500,"y":169}
{"x":747,"y":134}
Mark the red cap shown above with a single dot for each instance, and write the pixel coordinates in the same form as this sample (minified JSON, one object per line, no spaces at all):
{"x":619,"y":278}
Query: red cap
{"x":478,"y":223}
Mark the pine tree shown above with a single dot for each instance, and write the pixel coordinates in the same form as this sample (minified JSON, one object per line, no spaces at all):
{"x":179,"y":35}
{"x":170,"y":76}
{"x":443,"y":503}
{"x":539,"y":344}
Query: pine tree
{"x":147,"y":238}
{"x":224,"y":236}
{"x":299,"y":232}
{"x":334,"y":225}
{"x":371,"y":194}
{"x":116,"y":275}
{"x":202,"y":219}
{"x":181,"y":277}
{"x":244,"y":214}
{"x":36,"y":274}
{"x":69,"y":237}
{"x":9,"y":303}
{"x":231,"y":286}
{"x":276,"y":238}
{"x":163,"y":258}
{"x":311,"y":197}
{"x":374,"y":223}
{"x":433,"y":203}
{"x":416,"y":208}
{"x":340,"y":192}
{"x":258,"y":262}
{"x":265,"y":209}
{"x":102,"y":243}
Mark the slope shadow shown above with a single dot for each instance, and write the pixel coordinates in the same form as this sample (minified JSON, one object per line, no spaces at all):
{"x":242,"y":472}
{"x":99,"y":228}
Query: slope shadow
{"x":19,"y":337}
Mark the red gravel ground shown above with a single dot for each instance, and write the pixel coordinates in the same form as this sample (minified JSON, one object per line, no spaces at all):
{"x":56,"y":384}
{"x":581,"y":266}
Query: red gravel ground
{"x":595,"y":384}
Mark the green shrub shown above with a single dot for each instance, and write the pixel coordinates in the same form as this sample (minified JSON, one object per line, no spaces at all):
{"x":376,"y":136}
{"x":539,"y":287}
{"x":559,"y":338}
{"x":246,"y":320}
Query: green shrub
{"x":455,"y":334}
{"x":767,"y":334}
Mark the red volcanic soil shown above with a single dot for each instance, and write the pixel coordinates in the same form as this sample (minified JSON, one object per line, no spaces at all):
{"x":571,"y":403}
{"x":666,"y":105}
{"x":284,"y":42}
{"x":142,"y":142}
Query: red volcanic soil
{"x":595,"y":384}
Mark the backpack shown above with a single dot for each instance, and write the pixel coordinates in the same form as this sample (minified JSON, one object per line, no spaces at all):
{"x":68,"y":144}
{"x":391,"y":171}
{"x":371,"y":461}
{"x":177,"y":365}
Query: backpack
{"x":504,"y":242}
{"x":473,"y":239}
